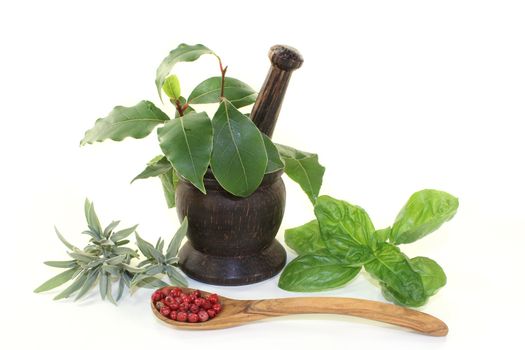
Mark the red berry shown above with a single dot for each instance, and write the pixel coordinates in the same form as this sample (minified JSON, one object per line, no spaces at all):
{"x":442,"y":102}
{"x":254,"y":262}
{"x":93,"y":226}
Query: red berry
{"x":182,"y":316}
{"x":173,"y":315}
{"x":156,"y":296}
{"x":175,"y":292}
{"x":199,"y":301}
{"x":217,"y":308}
{"x":169,"y":300}
{"x":193,"y":318}
{"x":194,"y":308}
{"x":165,"y":311}
{"x":211,"y":313}
{"x":184,"y":306}
{"x":197,"y":293}
{"x":206,"y":305}
{"x":165,"y":291}
{"x":192,"y":298}
{"x":213,"y":298}
{"x":203,"y":316}
{"x":178,"y":300}
{"x":174,"y":306}
{"x":186,"y":299}
{"x":159,"y":305}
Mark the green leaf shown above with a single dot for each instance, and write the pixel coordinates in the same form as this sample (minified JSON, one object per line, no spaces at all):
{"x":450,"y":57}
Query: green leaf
{"x":239,"y":159}
{"x":305,"y":239}
{"x":183,"y":53}
{"x":235,"y":91}
{"x":275,"y":162}
{"x":303,"y":168}
{"x":90,"y":281}
{"x":175,"y":277}
{"x":137,"y":122}
{"x":133,"y":269}
{"x":73,"y":287}
{"x":393,"y":269}
{"x":158,"y":167}
{"x":431,"y":273}
{"x":346,"y":230}
{"x":63,"y":240}
{"x":169,"y":182}
{"x":91,"y":218}
{"x":110,"y":228}
{"x":117,"y":236}
{"x":56,"y":281}
{"x":187,"y":143}
{"x":82,"y":257}
{"x":173,"y":247}
{"x":424,"y":213}
{"x":125,"y":251}
{"x":382,"y":235}
{"x":116,"y":260}
{"x":61,"y":264}
{"x":312,"y":273}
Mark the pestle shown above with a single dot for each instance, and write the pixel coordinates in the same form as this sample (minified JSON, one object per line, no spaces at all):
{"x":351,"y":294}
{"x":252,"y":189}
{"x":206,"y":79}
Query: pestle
{"x":285,"y":60}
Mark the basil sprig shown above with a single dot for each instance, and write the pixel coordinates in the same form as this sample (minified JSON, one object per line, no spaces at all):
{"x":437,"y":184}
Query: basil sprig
{"x":106,"y":260}
{"x":333,"y":249}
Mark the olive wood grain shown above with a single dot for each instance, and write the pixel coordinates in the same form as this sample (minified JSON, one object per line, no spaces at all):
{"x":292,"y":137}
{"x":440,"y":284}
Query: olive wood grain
{"x":238,"y":312}
{"x":285,"y":60}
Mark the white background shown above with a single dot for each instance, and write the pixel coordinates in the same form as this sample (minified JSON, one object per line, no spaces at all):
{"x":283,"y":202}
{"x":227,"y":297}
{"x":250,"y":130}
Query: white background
{"x":394,"y":96}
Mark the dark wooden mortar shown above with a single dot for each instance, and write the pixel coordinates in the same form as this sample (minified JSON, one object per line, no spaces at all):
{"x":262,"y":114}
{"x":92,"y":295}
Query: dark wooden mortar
{"x":231,"y":240}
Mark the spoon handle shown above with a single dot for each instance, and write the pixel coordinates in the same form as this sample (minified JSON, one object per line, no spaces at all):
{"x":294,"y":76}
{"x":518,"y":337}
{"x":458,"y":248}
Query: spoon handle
{"x":372,"y":310}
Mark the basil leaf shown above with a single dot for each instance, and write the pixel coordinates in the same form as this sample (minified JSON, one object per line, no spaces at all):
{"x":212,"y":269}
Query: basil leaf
{"x":393,"y":269}
{"x":183,"y":53}
{"x":275,"y":162}
{"x":235,"y":91}
{"x":305,"y":239}
{"x":169,"y":182}
{"x":239,"y":159}
{"x":312,"y":273}
{"x":73,"y":287}
{"x":137,"y":122}
{"x":304,"y":169}
{"x":92,"y":219}
{"x":57,"y":281}
{"x":346,"y":230}
{"x":187,"y":143}
{"x":382,"y":235}
{"x":61,"y":264}
{"x":431,"y":273}
{"x":424,"y":213}
{"x":175,"y":277}
{"x":173,"y":247}
{"x":156,"y":168}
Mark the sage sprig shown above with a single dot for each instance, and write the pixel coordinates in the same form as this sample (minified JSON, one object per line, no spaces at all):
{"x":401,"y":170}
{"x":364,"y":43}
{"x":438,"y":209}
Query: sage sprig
{"x":334,"y":248}
{"x":106,"y":260}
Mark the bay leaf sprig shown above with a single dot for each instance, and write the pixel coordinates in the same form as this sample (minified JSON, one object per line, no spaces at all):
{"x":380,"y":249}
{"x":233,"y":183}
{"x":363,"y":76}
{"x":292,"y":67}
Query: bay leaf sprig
{"x":333,"y":248}
{"x":106,"y":261}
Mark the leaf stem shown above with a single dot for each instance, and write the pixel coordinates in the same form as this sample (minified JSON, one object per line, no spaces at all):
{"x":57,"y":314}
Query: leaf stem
{"x":180,"y":108}
{"x":223,"y":74}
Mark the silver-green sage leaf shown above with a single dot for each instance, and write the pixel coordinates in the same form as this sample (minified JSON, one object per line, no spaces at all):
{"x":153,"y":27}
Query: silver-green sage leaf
{"x":57,"y":281}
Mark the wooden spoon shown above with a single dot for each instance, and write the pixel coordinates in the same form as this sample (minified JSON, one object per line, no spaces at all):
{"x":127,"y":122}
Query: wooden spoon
{"x":238,"y":312}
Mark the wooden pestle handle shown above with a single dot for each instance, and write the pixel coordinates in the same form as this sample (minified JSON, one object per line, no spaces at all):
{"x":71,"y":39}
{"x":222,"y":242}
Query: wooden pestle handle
{"x":285,"y":60}
{"x":372,"y":310}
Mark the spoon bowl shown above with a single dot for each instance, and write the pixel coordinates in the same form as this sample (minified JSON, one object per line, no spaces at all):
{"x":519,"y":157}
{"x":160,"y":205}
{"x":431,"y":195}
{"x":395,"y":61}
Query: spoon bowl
{"x":237,"y":312}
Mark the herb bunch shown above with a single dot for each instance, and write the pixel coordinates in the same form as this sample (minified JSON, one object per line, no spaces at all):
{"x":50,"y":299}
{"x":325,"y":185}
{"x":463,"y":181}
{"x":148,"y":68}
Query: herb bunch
{"x":229,"y":144}
{"x":107,"y":260}
{"x":333,"y":248}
